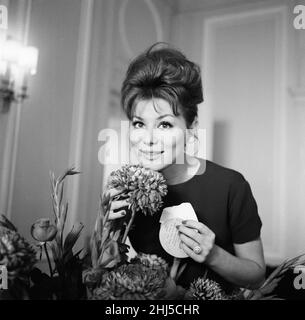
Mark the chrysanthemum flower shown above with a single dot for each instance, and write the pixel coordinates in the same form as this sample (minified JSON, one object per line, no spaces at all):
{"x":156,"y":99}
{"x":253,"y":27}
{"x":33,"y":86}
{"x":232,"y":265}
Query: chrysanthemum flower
{"x":205,"y":289}
{"x":143,"y":279}
{"x":131,"y":282}
{"x":145,"y":187}
{"x":16,"y":254}
{"x":151,"y":261}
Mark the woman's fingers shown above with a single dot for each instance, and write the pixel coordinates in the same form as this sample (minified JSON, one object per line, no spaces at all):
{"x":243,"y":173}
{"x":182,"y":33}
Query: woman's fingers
{"x":116,"y":215}
{"x":190,"y":232}
{"x":203,"y":229}
{"x":191,"y":243}
{"x":113,"y":192}
{"x":190,"y":252}
{"x":115,"y":211}
{"x":115,"y":205}
{"x":195,"y":234}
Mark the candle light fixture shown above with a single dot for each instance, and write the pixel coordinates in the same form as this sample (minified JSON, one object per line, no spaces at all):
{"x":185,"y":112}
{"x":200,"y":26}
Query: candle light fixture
{"x":17,"y":63}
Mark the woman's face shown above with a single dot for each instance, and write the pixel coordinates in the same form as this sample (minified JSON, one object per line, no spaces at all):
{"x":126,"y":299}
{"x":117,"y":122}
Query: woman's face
{"x":157,"y":136}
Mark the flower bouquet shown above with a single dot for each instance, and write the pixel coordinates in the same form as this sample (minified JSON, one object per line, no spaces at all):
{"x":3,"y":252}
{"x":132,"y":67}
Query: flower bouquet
{"x":64,"y":280}
{"x":106,"y":272}
{"x":111,"y":275}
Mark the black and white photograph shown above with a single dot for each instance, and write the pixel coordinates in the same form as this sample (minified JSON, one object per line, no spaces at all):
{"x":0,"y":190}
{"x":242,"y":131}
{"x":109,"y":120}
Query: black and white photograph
{"x":152,"y":150}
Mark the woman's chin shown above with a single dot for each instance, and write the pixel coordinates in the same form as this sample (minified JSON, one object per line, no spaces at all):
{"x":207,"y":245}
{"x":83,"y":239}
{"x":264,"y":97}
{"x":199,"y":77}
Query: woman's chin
{"x":153,"y":164}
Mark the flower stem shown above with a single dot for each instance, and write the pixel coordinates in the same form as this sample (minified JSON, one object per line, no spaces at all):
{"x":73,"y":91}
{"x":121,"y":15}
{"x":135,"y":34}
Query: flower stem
{"x":174,"y":268}
{"x":102,"y":223}
{"x":129,"y":225}
{"x":181,"y":269}
{"x":48,"y":258}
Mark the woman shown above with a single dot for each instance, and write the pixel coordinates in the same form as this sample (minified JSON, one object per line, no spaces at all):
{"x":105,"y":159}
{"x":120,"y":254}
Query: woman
{"x":160,"y":95}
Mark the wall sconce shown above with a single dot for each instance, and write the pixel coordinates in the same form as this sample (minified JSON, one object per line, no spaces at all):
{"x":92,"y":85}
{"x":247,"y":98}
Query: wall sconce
{"x":17,"y":63}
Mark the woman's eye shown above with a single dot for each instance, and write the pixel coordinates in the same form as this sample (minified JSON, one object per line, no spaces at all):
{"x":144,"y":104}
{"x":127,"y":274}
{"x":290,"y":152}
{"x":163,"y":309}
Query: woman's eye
{"x":137,"y":124}
{"x":165,"y":125}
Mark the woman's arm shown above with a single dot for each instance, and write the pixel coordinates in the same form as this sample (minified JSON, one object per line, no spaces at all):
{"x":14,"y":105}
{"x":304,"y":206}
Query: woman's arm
{"x":246,"y":269}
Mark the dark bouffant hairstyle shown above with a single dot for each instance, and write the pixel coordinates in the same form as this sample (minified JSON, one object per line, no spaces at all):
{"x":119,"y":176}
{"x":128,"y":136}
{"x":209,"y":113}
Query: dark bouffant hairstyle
{"x":163,"y":73}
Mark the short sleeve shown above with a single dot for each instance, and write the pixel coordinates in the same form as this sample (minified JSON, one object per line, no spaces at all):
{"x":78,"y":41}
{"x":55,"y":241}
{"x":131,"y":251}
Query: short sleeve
{"x":245,"y":222}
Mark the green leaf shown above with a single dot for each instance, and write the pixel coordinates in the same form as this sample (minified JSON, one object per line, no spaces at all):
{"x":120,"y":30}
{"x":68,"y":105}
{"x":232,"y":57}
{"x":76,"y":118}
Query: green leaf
{"x":111,"y":256}
{"x":72,"y":237}
{"x":63,"y":218}
{"x":55,"y":252}
{"x":294,"y":261}
{"x":94,"y":251}
{"x":52,"y":178}
{"x":69,"y":257}
{"x":282,"y":268}
{"x":98,"y":225}
{"x":61,"y":193}
{"x":68,"y":172}
{"x":274,"y":274}
{"x":271,"y":286}
{"x":5,"y":222}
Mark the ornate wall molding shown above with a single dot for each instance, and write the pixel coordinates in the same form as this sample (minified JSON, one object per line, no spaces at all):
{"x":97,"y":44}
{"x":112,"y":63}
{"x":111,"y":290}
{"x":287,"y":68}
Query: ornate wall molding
{"x":122,"y":24}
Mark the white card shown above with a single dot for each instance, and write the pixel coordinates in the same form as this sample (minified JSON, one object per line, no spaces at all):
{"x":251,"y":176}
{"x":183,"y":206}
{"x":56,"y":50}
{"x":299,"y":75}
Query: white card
{"x":168,"y":234}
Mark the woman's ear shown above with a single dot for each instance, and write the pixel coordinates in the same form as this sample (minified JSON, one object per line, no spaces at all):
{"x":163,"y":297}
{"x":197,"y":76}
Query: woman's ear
{"x":191,"y":146}
{"x":192,"y":130}
{"x":194,"y":124}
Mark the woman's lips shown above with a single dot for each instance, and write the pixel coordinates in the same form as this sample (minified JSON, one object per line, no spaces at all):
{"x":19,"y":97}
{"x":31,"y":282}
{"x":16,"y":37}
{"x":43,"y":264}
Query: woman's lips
{"x":150,"y":154}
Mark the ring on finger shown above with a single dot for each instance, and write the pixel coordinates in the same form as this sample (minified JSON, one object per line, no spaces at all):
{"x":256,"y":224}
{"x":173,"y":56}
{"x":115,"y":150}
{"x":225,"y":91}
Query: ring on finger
{"x":197,"y":249}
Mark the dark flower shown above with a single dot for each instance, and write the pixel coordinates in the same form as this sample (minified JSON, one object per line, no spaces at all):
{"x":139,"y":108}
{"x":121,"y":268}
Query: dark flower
{"x":205,"y":289}
{"x":131,"y":282}
{"x":92,"y":276}
{"x":16,"y":254}
{"x":151,"y":261}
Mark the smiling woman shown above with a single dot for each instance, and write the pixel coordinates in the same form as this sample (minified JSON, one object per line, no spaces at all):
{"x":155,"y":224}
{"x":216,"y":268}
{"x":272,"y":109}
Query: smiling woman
{"x":156,"y":134}
{"x":160,"y":95}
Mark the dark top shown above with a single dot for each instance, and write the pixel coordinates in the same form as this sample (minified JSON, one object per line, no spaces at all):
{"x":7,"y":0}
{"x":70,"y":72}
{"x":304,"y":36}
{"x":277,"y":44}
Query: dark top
{"x":222,"y":200}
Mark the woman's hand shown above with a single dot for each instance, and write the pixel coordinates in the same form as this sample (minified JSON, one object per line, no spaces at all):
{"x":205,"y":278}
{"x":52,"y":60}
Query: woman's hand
{"x":197,"y":240}
{"x":116,"y":206}
{"x":246,"y":269}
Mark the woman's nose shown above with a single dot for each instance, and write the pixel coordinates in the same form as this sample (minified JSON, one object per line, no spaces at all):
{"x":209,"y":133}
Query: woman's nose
{"x":149,"y":137}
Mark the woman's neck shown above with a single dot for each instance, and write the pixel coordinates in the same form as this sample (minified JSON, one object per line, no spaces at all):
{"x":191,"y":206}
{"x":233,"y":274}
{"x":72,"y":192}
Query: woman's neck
{"x":179,"y":173}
